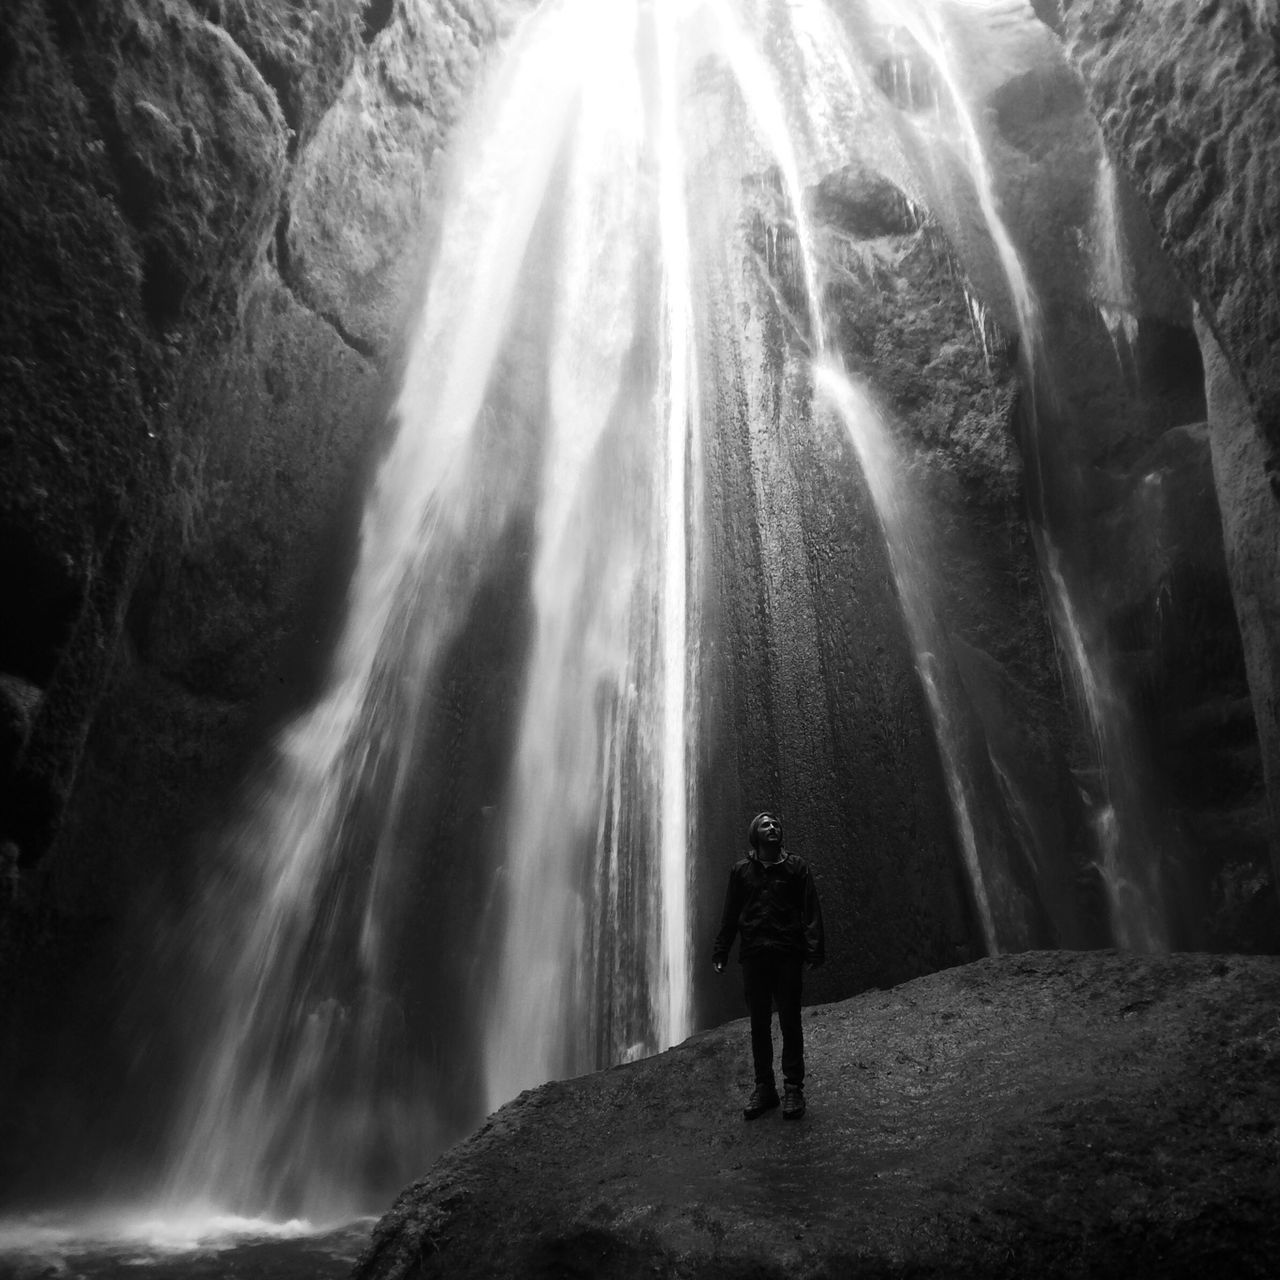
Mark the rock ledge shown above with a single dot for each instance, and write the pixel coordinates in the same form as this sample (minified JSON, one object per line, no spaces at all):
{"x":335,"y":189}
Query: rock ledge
{"x":1047,"y":1114}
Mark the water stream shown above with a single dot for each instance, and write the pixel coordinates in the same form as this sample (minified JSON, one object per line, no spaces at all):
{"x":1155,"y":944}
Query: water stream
{"x":1113,"y":286}
{"x":1123,"y":812}
{"x":552,"y":403}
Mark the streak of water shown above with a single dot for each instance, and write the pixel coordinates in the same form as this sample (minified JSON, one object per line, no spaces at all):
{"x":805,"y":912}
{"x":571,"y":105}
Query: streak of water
{"x":1127,"y":863}
{"x":680,"y":376}
{"x":882,"y":467}
{"x":1128,"y":867}
{"x":928,"y":26}
{"x":1113,"y":287}
{"x":594,"y":961}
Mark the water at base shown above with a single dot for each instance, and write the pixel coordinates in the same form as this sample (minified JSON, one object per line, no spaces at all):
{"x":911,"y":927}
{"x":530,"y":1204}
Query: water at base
{"x":107,"y":1244}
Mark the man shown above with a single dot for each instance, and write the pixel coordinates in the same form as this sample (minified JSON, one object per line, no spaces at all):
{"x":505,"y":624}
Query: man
{"x":772,"y":902}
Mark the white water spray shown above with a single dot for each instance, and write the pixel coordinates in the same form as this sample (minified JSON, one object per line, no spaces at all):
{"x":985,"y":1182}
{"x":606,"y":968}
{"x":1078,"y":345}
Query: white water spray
{"x":571,"y":208}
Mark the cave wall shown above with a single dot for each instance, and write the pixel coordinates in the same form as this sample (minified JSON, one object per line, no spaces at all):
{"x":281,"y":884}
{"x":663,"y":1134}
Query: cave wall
{"x":143,"y":163}
{"x":215,"y":216}
{"x":1188,"y":99}
{"x":1112,"y":435}
{"x":241,"y":204}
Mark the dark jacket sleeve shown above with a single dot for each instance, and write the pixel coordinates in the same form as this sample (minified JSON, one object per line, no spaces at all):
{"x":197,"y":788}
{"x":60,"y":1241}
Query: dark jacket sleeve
{"x":815,"y":944}
{"x":728,"y":918}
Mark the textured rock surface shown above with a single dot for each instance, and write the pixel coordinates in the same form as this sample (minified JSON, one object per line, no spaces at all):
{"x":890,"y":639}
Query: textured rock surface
{"x":359,"y":226}
{"x":1251,"y":524}
{"x":1051,"y":1114}
{"x":142,"y":165}
{"x":1188,"y":98}
{"x":185,"y":428}
{"x":810,"y":700}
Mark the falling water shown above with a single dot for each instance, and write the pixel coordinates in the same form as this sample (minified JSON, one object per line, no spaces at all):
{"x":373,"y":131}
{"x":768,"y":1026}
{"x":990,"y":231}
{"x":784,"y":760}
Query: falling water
{"x":929,"y":28}
{"x":565,"y":267}
{"x":1127,"y":860}
{"x":1113,"y":287}
{"x":882,"y":467}
{"x":313,"y":1093}
{"x":310,"y":1094}
{"x":1128,"y":863}
{"x":596,"y":874}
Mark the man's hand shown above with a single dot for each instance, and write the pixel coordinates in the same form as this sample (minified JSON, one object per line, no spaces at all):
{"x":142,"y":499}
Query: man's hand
{"x":718,"y":965}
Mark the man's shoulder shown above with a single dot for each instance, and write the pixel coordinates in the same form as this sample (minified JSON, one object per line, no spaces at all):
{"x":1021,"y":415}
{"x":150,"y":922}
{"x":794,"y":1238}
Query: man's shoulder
{"x":796,"y":864}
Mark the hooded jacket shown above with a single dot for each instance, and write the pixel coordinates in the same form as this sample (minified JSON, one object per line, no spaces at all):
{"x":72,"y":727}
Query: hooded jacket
{"x":774,"y":906}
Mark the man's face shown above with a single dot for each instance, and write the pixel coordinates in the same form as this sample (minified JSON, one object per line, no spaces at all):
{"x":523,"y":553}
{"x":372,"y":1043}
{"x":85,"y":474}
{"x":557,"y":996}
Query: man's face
{"x":769,"y":830}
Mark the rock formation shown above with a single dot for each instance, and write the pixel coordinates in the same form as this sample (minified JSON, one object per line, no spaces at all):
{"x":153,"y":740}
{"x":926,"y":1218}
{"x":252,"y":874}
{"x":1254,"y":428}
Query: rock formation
{"x":191,"y":396}
{"x":214,"y":224}
{"x":1187,"y":97}
{"x":1045,"y":1114}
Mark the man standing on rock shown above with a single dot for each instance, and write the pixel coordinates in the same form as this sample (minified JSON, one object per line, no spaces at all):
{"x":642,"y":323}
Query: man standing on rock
{"x":773,"y":903}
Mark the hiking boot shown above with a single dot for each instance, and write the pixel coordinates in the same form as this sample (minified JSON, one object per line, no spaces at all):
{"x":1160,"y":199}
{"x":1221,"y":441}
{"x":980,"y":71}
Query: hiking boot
{"x":793,"y":1102}
{"x":764,"y":1097}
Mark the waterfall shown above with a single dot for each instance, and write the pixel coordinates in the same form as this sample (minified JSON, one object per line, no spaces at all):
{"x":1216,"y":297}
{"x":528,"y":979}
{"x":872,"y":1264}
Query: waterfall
{"x":310,"y":1093}
{"x":594,"y":968}
{"x":547,"y":436}
{"x":1128,"y":857}
{"x":551,"y":402}
{"x":1124,"y":815}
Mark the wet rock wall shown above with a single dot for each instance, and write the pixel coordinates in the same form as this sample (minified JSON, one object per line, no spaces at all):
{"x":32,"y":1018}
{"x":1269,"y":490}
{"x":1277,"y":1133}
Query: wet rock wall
{"x":190,"y":406}
{"x":1188,"y":98}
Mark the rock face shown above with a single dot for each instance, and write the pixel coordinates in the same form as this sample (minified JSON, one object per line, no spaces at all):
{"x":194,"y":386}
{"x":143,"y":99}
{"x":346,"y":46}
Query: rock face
{"x":188,"y":388}
{"x":1050,"y":1114}
{"x":143,"y":162}
{"x":189,"y":409}
{"x":1122,"y":508}
{"x":813,"y":704}
{"x":1188,"y":98}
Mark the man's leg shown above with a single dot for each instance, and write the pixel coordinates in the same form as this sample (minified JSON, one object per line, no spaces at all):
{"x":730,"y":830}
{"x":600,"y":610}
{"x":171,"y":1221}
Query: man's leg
{"x":787,"y":992}
{"x":757,"y":986}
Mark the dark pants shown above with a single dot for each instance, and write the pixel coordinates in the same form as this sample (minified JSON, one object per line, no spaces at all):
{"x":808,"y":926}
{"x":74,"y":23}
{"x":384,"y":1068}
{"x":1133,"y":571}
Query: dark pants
{"x":770,"y":977}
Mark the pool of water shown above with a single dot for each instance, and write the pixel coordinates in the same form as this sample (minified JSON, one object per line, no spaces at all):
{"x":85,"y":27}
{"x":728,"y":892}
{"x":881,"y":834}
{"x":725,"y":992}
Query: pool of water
{"x":111,"y":1247}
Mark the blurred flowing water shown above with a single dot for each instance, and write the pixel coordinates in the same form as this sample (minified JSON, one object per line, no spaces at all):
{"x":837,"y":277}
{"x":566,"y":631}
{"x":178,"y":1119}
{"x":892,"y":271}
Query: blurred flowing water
{"x":549,"y":428}
{"x":102,"y":1244}
{"x":569,"y":204}
{"x":1113,"y":287}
